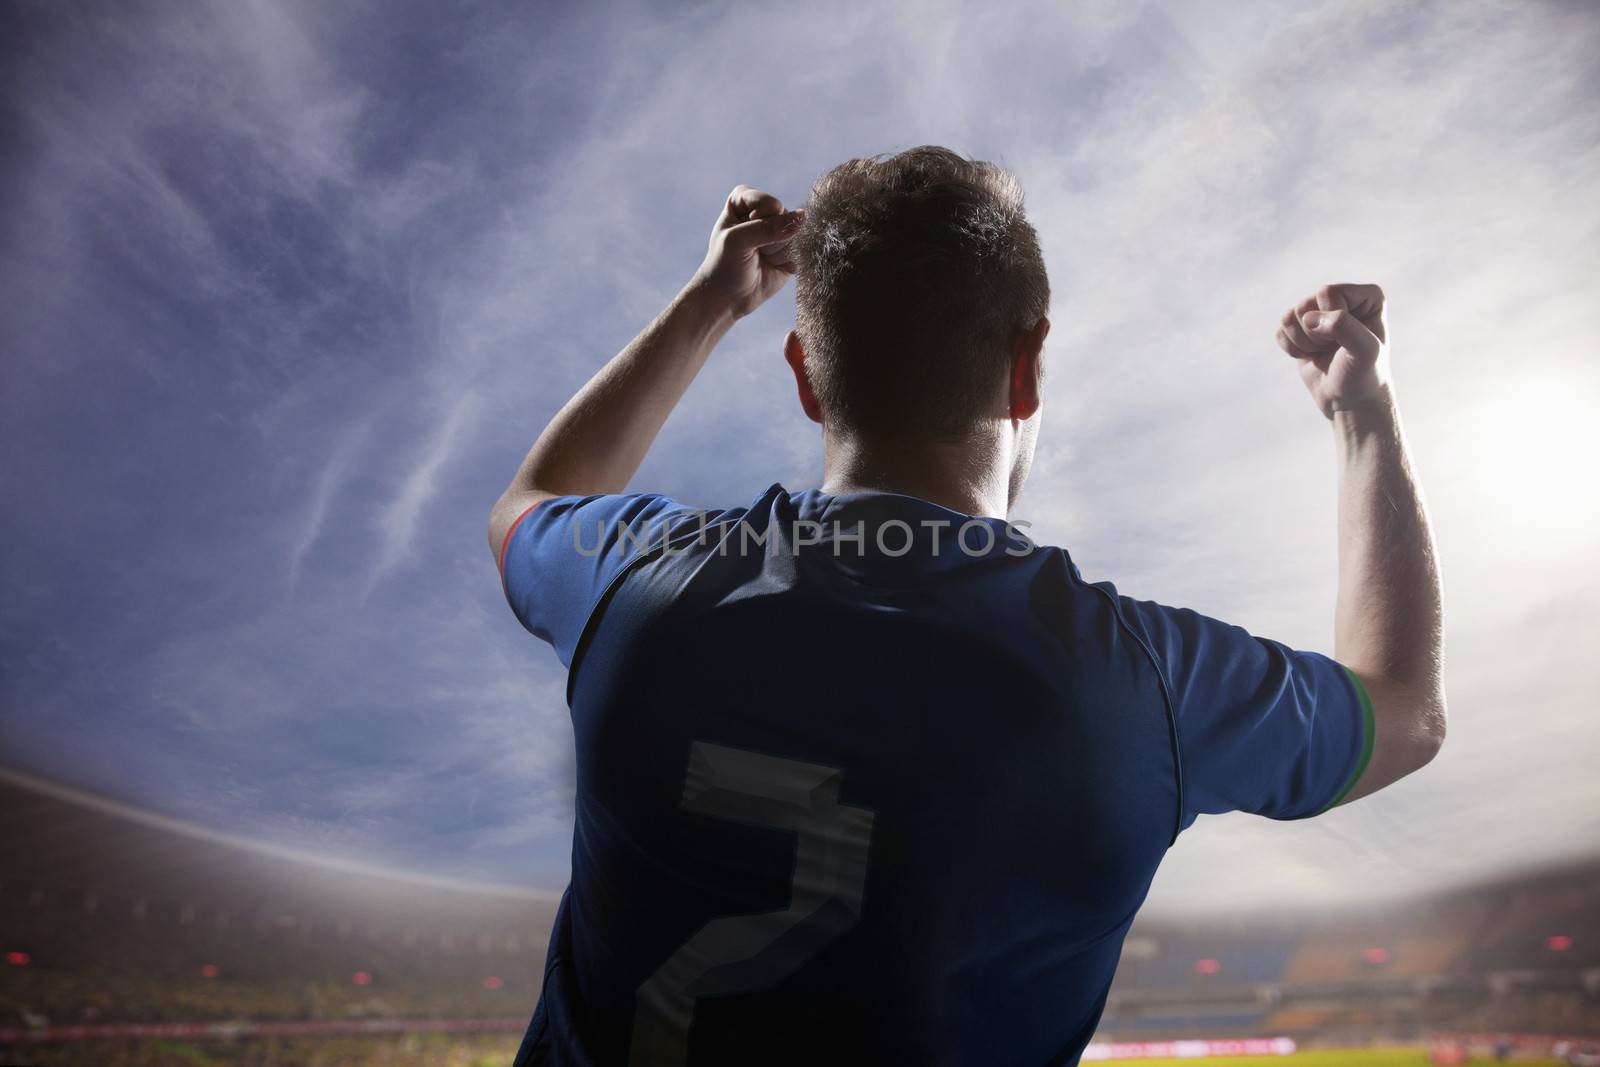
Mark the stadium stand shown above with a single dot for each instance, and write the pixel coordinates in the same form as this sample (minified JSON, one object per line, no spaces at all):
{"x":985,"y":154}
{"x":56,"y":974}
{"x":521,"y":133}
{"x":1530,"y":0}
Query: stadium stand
{"x":112,"y":917}
{"x":1522,"y":956}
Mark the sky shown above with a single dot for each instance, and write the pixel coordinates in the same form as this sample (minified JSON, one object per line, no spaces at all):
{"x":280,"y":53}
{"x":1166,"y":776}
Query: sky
{"x":291,"y":289}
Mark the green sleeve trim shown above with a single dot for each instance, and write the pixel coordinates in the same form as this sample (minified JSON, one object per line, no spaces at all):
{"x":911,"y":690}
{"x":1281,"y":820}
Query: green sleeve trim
{"x":1368,"y":730}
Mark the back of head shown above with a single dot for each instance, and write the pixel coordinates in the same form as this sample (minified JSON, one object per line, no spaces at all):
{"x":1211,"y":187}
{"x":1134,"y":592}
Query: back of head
{"x":914,"y":276}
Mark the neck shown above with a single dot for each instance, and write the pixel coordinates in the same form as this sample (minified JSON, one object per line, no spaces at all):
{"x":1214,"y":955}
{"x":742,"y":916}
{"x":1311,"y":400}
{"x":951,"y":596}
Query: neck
{"x":971,"y":477}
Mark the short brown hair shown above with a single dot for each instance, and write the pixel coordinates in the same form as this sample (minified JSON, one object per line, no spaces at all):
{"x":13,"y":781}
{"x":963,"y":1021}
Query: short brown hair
{"x":914,"y":276}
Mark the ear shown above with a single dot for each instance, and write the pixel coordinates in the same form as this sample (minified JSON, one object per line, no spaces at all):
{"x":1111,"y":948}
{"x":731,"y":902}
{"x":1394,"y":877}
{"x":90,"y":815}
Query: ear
{"x":1026,"y":372}
{"x":795,"y":356}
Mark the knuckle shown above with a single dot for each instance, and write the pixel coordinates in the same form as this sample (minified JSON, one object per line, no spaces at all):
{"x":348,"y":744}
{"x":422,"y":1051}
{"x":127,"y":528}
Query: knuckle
{"x":1326,"y":292}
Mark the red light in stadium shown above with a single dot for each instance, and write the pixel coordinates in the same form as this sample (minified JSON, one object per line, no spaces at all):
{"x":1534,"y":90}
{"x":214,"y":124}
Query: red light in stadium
{"x":1375,"y":956}
{"x":1558,"y":943}
{"x":18,"y":959}
{"x":1208,"y":966}
{"x":209,"y":970}
{"x":361,"y":978}
{"x":492,"y":982}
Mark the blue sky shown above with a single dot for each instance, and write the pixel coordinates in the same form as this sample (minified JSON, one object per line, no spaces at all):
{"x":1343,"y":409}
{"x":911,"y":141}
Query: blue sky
{"x":291,"y":289}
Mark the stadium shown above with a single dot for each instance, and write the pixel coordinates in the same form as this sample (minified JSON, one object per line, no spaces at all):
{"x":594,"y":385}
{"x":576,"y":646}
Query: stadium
{"x":133,"y":939}
{"x":488,"y":567}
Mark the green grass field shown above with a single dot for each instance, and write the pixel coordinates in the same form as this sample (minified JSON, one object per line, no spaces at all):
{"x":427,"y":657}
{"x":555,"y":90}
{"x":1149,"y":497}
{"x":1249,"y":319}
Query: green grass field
{"x":440,"y":1050}
{"x":1388,"y":1057}
{"x":1394,"y":1057}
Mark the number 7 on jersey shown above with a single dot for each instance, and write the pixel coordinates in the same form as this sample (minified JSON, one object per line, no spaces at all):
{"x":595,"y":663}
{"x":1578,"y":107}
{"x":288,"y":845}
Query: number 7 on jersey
{"x":748,"y":953}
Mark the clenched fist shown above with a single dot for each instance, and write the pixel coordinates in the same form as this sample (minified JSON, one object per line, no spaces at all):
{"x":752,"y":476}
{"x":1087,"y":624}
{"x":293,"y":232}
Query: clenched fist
{"x":1339,"y":337}
{"x":748,"y":259}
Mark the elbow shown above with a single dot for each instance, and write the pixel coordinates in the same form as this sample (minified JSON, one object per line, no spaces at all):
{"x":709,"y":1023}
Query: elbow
{"x":490,"y":530}
{"x":496,"y":524}
{"x":1432,"y":729}
{"x":507,"y":512}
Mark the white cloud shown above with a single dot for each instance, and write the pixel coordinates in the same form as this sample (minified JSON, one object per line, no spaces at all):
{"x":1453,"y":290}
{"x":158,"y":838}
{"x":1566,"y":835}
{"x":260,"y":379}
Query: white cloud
{"x":336,"y":471}
{"x":398,"y":521}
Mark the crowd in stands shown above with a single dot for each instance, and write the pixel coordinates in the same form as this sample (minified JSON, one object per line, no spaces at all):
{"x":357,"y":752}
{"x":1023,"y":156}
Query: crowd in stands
{"x":403,"y":1050}
{"x":1522,"y":957}
{"x":67,"y":964}
{"x":1519,"y":958}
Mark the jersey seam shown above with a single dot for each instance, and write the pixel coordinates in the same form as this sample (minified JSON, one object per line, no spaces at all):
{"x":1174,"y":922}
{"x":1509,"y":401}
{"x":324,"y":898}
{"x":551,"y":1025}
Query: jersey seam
{"x":639,"y":556}
{"x":1166,"y":697}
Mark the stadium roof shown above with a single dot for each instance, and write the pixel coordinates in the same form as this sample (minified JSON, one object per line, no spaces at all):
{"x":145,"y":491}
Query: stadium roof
{"x":58,"y":838}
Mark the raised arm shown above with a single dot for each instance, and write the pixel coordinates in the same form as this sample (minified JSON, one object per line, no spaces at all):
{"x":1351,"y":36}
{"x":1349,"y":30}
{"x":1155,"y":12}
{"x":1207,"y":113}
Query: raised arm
{"x":1388,"y":624}
{"x":596,"y":442}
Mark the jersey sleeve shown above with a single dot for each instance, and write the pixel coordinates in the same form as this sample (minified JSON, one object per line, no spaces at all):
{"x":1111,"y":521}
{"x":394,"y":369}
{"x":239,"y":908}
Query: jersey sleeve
{"x":1262,"y":728}
{"x":561,"y":555}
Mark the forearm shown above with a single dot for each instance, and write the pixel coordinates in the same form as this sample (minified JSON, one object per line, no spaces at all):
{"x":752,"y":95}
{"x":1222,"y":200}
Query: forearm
{"x":1389,"y":618}
{"x":596,"y":442}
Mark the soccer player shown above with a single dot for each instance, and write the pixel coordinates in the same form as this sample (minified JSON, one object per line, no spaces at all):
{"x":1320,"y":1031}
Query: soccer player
{"x":864,"y":774}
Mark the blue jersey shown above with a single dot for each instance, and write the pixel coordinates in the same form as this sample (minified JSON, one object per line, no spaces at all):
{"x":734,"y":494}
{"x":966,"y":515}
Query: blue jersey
{"x":864,"y":779}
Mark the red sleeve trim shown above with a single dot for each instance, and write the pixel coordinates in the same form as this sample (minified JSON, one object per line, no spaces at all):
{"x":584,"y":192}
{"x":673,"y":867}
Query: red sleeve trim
{"x":506,"y":542}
